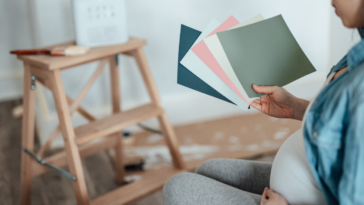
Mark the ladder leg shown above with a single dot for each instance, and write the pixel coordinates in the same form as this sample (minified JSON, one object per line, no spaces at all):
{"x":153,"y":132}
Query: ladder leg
{"x":119,"y":159}
{"x":73,"y":156}
{"x":27,"y":137}
{"x":147,"y":75}
{"x":116,"y":107}
{"x":166,"y":127}
{"x":171,"y":141}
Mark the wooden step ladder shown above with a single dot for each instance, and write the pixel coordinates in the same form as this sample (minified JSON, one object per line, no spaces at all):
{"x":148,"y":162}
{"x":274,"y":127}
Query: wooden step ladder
{"x":80,"y":141}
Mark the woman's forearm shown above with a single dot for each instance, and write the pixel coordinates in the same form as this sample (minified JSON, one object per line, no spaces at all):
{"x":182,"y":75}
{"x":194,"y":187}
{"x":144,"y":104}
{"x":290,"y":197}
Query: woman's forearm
{"x":300,"y":109}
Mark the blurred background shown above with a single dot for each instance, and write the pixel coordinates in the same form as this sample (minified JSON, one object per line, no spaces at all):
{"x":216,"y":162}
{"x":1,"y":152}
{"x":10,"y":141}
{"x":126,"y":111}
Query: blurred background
{"x":26,"y":24}
{"x":37,"y":23}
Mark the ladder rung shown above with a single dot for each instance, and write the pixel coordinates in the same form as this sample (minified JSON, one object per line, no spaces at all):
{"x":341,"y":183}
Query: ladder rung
{"x":151,"y":180}
{"x":115,"y":123}
{"x":60,"y":159}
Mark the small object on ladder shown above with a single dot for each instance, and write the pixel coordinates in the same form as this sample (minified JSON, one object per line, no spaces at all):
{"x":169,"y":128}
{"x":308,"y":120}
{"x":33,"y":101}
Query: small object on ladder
{"x":18,"y":111}
{"x":44,"y":163}
{"x":32,"y":82}
{"x":56,"y":51}
{"x":128,"y":139}
{"x":149,"y":129}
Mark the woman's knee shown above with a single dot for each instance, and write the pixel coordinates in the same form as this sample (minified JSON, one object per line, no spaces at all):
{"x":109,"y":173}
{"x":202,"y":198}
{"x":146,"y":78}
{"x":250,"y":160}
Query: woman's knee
{"x":173,"y":189}
{"x":177,"y":181}
{"x":207,"y":165}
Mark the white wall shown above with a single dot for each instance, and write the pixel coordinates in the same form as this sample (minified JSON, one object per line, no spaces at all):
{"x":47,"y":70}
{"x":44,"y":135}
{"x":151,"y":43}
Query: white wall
{"x":343,"y":39}
{"x":15,"y":32}
{"x":159,"y":22}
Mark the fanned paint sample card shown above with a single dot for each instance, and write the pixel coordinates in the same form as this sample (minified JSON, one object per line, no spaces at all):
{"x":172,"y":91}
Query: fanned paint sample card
{"x":187,"y":78}
{"x":225,"y":59}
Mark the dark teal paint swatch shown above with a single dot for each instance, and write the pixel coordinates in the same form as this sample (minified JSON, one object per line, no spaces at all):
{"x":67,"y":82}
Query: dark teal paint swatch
{"x":185,"y":77}
{"x":265,"y":53}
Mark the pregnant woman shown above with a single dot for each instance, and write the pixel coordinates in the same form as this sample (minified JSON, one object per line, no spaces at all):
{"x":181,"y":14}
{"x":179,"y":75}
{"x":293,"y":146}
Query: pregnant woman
{"x":323,"y":163}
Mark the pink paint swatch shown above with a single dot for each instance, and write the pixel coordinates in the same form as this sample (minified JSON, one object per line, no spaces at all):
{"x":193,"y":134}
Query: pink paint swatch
{"x":203,"y":52}
{"x":227,"y":24}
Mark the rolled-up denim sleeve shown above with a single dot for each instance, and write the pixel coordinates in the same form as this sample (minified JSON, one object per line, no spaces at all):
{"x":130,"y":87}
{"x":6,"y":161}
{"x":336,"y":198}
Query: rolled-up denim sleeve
{"x":351,"y":185}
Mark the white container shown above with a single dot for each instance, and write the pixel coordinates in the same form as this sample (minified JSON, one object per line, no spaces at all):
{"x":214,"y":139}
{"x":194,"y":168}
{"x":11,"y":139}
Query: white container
{"x":100,"y":22}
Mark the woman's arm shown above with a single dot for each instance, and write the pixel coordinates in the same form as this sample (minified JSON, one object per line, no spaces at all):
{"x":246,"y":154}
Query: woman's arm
{"x":351,"y":185}
{"x":277,"y":102}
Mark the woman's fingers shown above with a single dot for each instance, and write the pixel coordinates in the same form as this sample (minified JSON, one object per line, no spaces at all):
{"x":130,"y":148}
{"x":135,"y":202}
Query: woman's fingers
{"x":264,"y":89}
{"x":269,"y":193}
{"x":257,"y":104}
{"x":265,"y":192}
{"x":264,"y":199}
{"x":271,"y":197}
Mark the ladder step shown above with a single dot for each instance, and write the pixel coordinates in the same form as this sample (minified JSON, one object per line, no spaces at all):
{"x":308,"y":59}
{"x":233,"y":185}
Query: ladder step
{"x":115,"y":123}
{"x":151,"y":180}
{"x":60,"y":159}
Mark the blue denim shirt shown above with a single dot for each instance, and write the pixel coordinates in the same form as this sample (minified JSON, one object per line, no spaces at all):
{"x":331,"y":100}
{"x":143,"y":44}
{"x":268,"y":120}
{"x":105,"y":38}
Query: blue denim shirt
{"x":334,"y":132}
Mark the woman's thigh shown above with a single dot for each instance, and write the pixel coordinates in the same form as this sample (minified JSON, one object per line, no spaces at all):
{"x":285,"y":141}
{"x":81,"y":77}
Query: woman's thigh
{"x":246,"y":175}
{"x":189,"y":188}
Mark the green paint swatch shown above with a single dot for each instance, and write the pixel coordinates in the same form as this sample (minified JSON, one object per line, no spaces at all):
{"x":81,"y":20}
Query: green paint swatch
{"x":265,"y":53}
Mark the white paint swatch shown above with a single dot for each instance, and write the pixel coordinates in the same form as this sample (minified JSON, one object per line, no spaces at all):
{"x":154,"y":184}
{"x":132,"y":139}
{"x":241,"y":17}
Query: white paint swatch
{"x":214,"y":45}
{"x":193,"y":63}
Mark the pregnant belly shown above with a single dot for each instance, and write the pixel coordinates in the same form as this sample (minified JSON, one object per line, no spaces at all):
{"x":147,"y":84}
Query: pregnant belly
{"x":291,"y":175}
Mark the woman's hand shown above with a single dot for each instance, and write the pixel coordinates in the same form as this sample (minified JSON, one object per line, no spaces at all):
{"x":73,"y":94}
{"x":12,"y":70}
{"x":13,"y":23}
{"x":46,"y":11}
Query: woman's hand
{"x":270,"y":197}
{"x":277,"y":102}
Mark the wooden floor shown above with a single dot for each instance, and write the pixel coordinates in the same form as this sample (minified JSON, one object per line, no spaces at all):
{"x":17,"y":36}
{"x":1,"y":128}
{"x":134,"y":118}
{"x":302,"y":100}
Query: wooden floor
{"x":53,"y":189}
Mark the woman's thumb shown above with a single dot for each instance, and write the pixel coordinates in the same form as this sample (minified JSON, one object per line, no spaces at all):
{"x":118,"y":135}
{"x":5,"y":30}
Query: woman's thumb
{"x":264,"y":89}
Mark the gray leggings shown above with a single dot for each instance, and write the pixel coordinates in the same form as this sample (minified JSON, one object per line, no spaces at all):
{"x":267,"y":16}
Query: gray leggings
{"x":219,"y":181}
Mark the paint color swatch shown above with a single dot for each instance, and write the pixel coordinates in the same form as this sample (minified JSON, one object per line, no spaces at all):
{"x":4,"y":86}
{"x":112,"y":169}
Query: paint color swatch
{"x":214,"y":45}
{"x":193,"y":63}
{"x":225,"y":59}
{"x":203,"y":52}
{"x":185,"y":77}
{"x":265,"y":53}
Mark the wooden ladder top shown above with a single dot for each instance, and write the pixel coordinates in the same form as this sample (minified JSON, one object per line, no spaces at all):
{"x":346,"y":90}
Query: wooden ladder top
{"x":63,"y":62}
